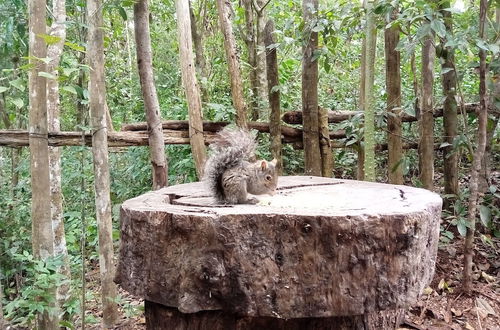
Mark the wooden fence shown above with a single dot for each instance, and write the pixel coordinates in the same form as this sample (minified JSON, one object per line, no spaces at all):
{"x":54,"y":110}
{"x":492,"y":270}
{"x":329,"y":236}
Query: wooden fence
{"x":176,"y":131}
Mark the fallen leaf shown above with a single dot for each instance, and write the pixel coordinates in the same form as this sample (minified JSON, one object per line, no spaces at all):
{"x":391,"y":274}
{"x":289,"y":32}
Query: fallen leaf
{"x":456,"y":312}
{"x":483,"y":305}
{"x":488,"y":278}
{"x":469,"y":327}
{"x":441,"y":284}
{"x":428,"y":290}
{"x":447,"y":316}
{"x":483,"y":266}
{"x":451,"y":251}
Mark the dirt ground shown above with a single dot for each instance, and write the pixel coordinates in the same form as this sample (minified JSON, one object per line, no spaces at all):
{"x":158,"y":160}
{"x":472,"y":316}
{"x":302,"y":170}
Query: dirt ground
{"x":445,"y":306}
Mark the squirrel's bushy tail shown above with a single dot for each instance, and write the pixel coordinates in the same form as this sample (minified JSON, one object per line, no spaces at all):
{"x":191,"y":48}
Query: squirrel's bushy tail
{"x":232,"y":146}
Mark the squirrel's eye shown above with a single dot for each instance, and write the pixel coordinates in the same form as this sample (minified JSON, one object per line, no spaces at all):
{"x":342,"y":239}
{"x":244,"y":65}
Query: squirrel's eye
{"x":268,"y":177}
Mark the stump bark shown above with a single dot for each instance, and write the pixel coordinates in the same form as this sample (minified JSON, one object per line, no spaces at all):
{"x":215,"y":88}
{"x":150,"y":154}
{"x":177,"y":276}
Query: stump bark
{"x":321,"y":254}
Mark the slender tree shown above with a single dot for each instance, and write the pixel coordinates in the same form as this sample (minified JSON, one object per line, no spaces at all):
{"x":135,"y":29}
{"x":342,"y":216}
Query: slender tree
{"x":312,"y":155}
{"x":360,"y":170}
{"x":151,"y":104}
{"x":260,"y":56}
{"x":191,"y":86}
{"x":450,"y":118}
{"x":274,"y":95}
{"x":371,"y":39}
{"x":426,"y":120}
{"x":198,"y":37}
{"x":54,"y":52}
{"x":42,"y":233}
{"x":251,"y":42}
{"x":2,"y":321}
{"x":393,"y":87}
{"x":224,"y":9}
{"x":478,"y":154}
{"x":485,"y":177}
{"x":97,"y":100}
{"x":325,"y":144}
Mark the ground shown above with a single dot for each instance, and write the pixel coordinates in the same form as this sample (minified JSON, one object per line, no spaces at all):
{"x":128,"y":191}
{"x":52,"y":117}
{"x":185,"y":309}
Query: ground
{"x":442,"y":306}
{"x":445,"y":306}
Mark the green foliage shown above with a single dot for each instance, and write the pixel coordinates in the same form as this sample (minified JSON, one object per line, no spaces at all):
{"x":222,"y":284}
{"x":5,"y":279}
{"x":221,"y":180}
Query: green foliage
{"x":41,"y":279}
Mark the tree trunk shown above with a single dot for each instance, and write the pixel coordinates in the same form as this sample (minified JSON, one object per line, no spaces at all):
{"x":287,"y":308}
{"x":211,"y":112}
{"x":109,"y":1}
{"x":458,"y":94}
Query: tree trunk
{"x":416,"y":90}
{"x":200,"y":63}
{"x":260,"y":58}
{"x":54,"y":52}
{"x":450,"y":117}
{"x":191,"y":86}
{"x":369,"y":135}
{"x":97,"y":100}
{"x":325,"y":144}
{"x":284,"y":265}
{"x":360,"y":170}
{"x":3,"y":112}
{"x":426,"y":123}
{"x":393,"y":87}
{"x":274,"y":96}
{"x":223,"y":7}
{"x":250,"y":40}
{"x":42,"y":233}
{"x":478,"y":154}
{"x":152,"y":107}
{"x":485,"y":178}
{"x":3,"y":325}
{"x":312,"y":155}
{"x":109,"y":120}
{"x":81,"y":108}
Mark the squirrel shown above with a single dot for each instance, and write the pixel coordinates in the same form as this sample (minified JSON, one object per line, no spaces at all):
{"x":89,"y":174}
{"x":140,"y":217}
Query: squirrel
{"x":231,"y":172}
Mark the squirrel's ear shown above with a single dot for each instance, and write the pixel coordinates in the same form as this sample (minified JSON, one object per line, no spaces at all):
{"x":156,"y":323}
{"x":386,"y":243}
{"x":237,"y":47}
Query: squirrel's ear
{"x":274,"y":161}
{"x":263,"y":165}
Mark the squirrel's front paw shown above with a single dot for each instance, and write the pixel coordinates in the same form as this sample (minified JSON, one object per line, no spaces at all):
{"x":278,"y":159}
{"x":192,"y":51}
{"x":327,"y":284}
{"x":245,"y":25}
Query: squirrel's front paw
{"x":252,"y":200}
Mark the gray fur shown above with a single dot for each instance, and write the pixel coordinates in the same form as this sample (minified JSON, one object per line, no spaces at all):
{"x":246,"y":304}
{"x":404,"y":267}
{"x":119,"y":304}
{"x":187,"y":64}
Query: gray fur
{"x":229,"y":172}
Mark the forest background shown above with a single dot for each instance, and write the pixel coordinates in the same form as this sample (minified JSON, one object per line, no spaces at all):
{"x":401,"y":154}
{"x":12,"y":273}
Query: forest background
{"x":27,"y":280}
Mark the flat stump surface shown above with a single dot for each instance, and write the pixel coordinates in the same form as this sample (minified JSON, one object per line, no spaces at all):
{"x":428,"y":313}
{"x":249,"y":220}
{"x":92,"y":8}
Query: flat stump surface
{"x":320,"y":247}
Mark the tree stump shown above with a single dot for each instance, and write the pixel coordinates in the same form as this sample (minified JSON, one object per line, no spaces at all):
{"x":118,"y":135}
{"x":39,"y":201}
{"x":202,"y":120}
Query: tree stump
{"x":321,"y":254}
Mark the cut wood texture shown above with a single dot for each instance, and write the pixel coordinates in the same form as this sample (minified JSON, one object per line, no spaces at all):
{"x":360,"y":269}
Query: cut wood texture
{"x":320,"y":251}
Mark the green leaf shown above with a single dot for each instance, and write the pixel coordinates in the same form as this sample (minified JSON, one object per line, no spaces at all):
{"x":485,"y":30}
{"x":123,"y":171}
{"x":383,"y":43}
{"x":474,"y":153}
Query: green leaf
{"x":446,"y":70}
{"x":49,"y":40}
{"x":123,"y":13}
{"x":47,"y":75}
{"x":350,"y":142}
{"x":19,"y":84}
{"x":485,"y":215}
{"x":70,"y":89}
{"x":492,"y":189}
{"x":438,"y":27}
{"x":19,"y":103}
{"x":75,"y":46}
{"x":68,"y":71}
{"x":462,"y":227}
{"x":444,"y":144}
{"x":482,"y":44}
{"x":3,"y":89}
{"x":67,"y":324}
{"x":326,"y":64}
{"x":318,"y":28}
{"x":494,"y":48}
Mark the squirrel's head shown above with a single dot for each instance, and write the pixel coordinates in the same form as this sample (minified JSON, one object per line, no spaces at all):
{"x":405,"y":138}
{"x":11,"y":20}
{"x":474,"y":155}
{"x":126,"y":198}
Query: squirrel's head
{"x":267,"y":178}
